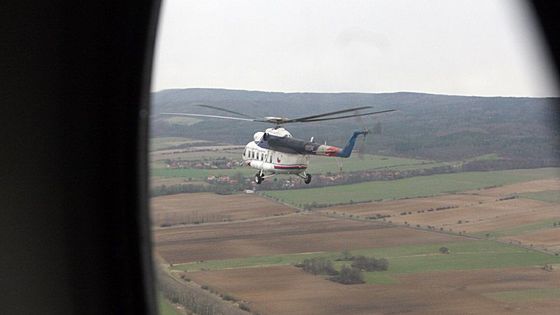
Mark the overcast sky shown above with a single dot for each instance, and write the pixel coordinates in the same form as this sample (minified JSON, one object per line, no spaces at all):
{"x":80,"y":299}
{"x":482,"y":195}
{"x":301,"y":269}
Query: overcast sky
{"x":468,"y":47}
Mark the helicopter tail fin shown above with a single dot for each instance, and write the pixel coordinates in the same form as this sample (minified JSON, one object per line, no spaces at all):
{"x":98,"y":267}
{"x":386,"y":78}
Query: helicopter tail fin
{"x":347,"y":151}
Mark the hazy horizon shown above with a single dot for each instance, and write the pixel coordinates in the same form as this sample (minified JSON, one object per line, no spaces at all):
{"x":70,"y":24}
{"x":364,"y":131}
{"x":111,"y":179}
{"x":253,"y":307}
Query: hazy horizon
{"x":481,"y":48}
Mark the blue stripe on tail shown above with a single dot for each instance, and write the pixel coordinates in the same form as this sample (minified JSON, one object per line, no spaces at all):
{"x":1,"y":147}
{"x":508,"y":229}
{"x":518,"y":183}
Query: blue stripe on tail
{"x":350,"y":145}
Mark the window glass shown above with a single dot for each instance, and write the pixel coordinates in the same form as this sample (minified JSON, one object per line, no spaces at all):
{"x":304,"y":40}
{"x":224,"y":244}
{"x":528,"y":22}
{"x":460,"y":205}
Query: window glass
{"x":449,"y":204}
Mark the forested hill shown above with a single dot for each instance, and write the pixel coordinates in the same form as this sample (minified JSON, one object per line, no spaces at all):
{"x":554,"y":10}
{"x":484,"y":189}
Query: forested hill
{"x":440,"y":127}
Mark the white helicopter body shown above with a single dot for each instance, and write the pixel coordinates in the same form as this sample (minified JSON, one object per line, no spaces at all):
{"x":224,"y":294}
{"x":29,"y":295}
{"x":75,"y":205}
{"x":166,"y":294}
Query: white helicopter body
{"x":275,"y":151}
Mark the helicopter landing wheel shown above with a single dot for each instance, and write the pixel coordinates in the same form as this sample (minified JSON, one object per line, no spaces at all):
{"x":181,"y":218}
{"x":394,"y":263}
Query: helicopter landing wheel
{"x":258,"y":178}
{"x":307,"y":179}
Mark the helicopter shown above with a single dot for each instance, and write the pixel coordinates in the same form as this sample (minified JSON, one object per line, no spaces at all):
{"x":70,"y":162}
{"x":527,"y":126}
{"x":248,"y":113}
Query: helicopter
{"x":275,"y":151}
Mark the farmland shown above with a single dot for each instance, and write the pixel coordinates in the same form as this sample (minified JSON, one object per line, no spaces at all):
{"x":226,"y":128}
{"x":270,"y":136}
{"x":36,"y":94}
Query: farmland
{"x":419,"y":186}
{"x":465,"y":255}
{"x":206,"y":207}
{"x":247,"y":246}
{"x":317,"y":166}
{"x":288,"y":290}
{"x":297,"y":233}
{"x":499,"y":212}
{"x":548,"y":195}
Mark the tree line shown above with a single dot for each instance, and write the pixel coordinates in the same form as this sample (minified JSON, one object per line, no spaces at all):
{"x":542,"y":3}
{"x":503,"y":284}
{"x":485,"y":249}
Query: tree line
{"x":352,"y":274}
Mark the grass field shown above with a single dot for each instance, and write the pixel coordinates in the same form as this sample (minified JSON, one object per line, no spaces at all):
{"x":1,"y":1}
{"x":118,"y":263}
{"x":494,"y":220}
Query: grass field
{"x":165,"y":307}
{"x":548,"y":196}
{"x":321,"y":165}
{"x":169,"y":142}
{"x":465,"y":255}
{"x":410,"y":187}
{"x":208,"y":153}
{"x":317,"y":166}
{"x":200,"y":174}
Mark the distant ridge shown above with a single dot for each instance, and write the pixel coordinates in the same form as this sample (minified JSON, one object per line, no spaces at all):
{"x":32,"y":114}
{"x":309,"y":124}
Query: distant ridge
{"x":433,"y":126}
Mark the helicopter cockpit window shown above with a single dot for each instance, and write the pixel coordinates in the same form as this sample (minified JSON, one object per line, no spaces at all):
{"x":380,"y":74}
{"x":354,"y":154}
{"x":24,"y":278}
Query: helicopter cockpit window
{"x":452,"y":199}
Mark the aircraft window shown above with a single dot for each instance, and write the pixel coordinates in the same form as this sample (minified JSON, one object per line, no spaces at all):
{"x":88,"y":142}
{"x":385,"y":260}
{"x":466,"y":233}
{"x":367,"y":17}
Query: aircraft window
{"x":448,"y":183}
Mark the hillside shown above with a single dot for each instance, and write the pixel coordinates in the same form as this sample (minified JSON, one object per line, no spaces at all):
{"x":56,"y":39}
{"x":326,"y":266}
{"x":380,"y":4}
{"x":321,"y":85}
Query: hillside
{"x":438,"y":127}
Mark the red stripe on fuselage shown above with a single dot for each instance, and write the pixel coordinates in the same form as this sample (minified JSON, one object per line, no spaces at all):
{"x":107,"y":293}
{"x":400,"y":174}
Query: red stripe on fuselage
{"x":290,"y":167}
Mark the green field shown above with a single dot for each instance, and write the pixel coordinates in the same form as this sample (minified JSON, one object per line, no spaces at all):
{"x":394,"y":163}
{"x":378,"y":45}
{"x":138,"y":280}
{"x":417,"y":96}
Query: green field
{"x":547,"y":196}
{"x":419,"y":186}
{"x":322,"y":165}
{"x":165,"y":307}
{"x":464,"y":255}
{"x":169,"y":142}
{"x":375,"y":162}
{"x":521,"y":229}
{"x":200,"y":174}
{"x":317,"y":166}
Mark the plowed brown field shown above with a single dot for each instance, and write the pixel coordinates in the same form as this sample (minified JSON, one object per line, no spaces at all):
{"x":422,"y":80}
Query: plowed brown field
{"x":209,"y":207}
{"x":289,"y":234}
{"x":549,"y":238}
{"x":288,"y":290}
{"x":531,"y":186}
{"x":471,"y":212}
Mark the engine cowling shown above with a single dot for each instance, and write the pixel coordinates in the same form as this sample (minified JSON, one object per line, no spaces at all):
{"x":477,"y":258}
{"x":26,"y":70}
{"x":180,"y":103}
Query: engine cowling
{"x":258,"y":136}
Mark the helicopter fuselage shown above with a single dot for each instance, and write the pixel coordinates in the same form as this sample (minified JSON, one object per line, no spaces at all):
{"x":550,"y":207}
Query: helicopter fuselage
{"x":275,"y":151}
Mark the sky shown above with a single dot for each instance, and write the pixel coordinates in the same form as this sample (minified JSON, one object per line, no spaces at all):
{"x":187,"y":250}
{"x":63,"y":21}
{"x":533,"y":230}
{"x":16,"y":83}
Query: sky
{"x":481,"y":47}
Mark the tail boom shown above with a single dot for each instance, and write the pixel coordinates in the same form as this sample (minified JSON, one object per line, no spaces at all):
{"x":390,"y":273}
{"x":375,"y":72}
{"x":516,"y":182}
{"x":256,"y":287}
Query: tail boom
{"x":332,"y":151}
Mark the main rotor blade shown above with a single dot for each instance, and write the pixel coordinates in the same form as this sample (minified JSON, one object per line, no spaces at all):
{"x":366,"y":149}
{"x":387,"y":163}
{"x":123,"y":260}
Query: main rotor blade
{"x":211,"y":116}
{"x":307,"y":118}
{"x":225,"y":110}
{"x":348,"y":116}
